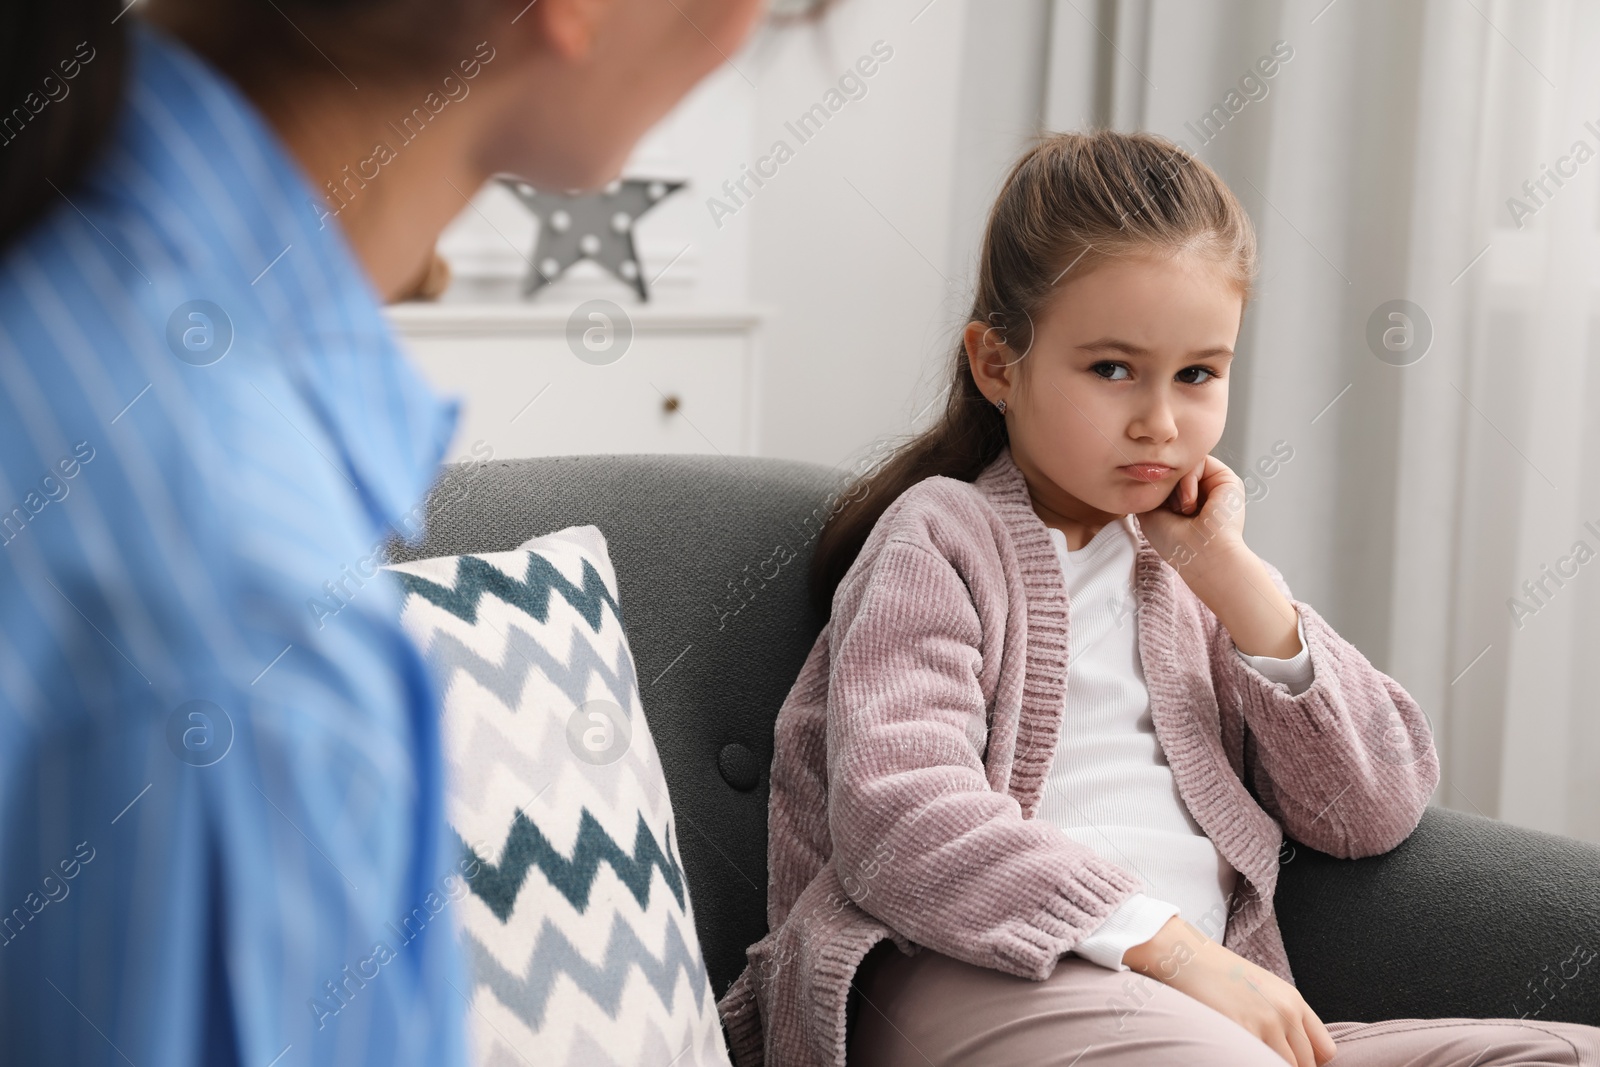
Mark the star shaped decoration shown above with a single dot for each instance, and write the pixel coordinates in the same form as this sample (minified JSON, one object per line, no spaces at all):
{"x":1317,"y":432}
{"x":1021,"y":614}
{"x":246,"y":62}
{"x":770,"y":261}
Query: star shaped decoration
{"x":595,"y":225}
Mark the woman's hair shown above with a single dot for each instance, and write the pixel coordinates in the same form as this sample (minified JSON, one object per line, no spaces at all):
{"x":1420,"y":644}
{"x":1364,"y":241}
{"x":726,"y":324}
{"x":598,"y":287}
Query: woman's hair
{"x":56,"y":106}
{"x":1071,"y":202}
{"x":63,"y":65}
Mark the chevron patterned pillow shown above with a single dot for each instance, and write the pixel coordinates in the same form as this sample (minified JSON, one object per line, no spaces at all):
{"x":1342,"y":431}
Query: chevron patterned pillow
{"x":578,"y":931}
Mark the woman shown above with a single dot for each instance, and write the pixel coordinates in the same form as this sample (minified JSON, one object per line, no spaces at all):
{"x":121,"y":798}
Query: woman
{"x":221,"y":834}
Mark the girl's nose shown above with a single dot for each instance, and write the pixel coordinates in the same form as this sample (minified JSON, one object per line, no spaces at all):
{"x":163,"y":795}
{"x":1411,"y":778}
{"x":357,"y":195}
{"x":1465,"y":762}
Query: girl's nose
{"x":1154,"y":419}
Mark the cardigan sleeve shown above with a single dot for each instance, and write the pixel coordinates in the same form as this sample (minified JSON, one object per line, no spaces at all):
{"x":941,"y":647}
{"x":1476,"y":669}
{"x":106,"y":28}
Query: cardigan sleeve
{"x":1294,"y":672}
{"x":921,"y":840}
{"x":1345,"y":766}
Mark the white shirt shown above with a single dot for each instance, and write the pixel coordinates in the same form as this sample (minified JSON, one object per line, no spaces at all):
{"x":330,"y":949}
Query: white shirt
{"x":1110,"y":786}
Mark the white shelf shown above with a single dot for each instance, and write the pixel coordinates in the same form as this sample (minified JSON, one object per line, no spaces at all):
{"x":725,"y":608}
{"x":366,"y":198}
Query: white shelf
{"x":687,"y":382}
{"x":426,"y":319}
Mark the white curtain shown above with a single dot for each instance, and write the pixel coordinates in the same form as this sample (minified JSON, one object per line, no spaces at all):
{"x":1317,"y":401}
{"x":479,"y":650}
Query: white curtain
{"x":1426,"y":498}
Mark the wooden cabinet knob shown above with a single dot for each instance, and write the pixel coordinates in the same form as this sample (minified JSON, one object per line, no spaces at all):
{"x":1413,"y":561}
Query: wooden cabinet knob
{"x":670,"y":404}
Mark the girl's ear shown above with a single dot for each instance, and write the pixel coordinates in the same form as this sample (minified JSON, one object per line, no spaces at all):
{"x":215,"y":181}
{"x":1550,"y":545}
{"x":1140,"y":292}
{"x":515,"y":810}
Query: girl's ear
{"x":991,"y":361}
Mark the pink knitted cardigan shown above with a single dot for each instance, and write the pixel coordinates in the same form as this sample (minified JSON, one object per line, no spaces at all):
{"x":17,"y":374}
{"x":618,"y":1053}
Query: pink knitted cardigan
{"x":910,"y":755}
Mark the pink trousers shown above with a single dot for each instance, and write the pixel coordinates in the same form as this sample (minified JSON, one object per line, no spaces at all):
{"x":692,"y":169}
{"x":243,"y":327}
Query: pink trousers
{"x":930,"y":1010}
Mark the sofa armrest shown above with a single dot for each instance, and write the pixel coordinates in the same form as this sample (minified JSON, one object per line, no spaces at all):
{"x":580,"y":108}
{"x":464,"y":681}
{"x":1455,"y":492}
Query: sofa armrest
{"x":1468,"y":917}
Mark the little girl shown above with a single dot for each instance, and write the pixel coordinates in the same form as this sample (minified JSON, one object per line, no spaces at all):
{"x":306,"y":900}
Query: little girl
{"x":1061,"y":716}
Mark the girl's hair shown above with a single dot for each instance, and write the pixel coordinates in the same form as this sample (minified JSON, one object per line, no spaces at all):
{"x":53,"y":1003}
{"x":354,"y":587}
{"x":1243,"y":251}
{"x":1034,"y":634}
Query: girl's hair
{"x":63,"y":64}
{"x":1071,"y":202}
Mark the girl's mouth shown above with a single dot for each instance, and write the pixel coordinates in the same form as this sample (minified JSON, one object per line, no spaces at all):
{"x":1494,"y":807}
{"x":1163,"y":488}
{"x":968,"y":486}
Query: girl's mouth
{"x":1146,"y":472}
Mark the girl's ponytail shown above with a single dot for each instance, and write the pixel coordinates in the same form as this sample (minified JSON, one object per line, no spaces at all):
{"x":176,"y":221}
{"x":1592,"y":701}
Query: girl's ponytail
{"x":1073,"y":200}
{"x":61,"y":72}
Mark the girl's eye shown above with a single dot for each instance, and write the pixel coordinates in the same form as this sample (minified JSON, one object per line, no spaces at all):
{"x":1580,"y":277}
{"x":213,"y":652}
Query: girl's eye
{"x":1106,"y":368}
{"x":1202,"y":370}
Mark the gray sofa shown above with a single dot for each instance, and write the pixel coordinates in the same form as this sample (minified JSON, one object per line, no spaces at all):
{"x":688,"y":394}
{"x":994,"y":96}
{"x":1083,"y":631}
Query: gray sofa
{"x":1469,"y":917}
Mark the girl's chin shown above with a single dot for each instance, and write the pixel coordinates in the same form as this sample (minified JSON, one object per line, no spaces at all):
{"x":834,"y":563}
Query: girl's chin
{"x":1129,"y":497}
{"x":1126,"y":504}
{"x":1136,"y":496}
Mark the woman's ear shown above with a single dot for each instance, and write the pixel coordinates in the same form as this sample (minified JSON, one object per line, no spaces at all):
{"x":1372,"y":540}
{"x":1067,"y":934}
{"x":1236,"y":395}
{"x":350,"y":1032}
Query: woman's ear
{"x":991,"y":361}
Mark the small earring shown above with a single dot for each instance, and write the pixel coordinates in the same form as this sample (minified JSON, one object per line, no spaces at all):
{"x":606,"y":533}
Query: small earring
{"x":1001,"y":404}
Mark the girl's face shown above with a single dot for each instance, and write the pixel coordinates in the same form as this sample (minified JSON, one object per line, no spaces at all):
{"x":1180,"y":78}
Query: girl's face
{"x":1129,"y":365}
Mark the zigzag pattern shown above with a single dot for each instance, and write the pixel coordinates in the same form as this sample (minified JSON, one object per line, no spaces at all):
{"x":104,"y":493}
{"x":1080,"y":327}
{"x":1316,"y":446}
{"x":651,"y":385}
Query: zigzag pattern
{"x":583,"y":1050}
{"x":533,"y":749}
{"x":497,"y":764}
{"x":476,"y":577}
{"x":526,"y":848}
{"x":526,"y":654}
{"x":553,"y":956}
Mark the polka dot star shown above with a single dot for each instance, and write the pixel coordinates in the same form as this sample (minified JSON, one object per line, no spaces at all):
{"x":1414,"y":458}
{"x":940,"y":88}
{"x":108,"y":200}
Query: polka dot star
{"x":596,"y":226}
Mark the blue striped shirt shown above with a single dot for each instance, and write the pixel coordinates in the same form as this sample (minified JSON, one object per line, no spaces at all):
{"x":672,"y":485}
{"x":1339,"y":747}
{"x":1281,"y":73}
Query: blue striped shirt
{"x":221,"y":828}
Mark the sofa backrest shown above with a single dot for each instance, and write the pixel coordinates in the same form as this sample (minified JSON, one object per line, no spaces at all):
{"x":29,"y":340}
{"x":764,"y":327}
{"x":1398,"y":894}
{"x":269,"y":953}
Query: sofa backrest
{"x":711,"y":555}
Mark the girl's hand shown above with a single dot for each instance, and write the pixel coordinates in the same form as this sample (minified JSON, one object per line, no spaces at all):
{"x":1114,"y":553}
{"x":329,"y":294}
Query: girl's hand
{"x":1258,"y":1000}
{"x":1199,"y":531}
{"x":1202,"y":518}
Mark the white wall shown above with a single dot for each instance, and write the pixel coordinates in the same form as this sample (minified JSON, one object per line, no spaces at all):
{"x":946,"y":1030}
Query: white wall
{"x":864,"y":249}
